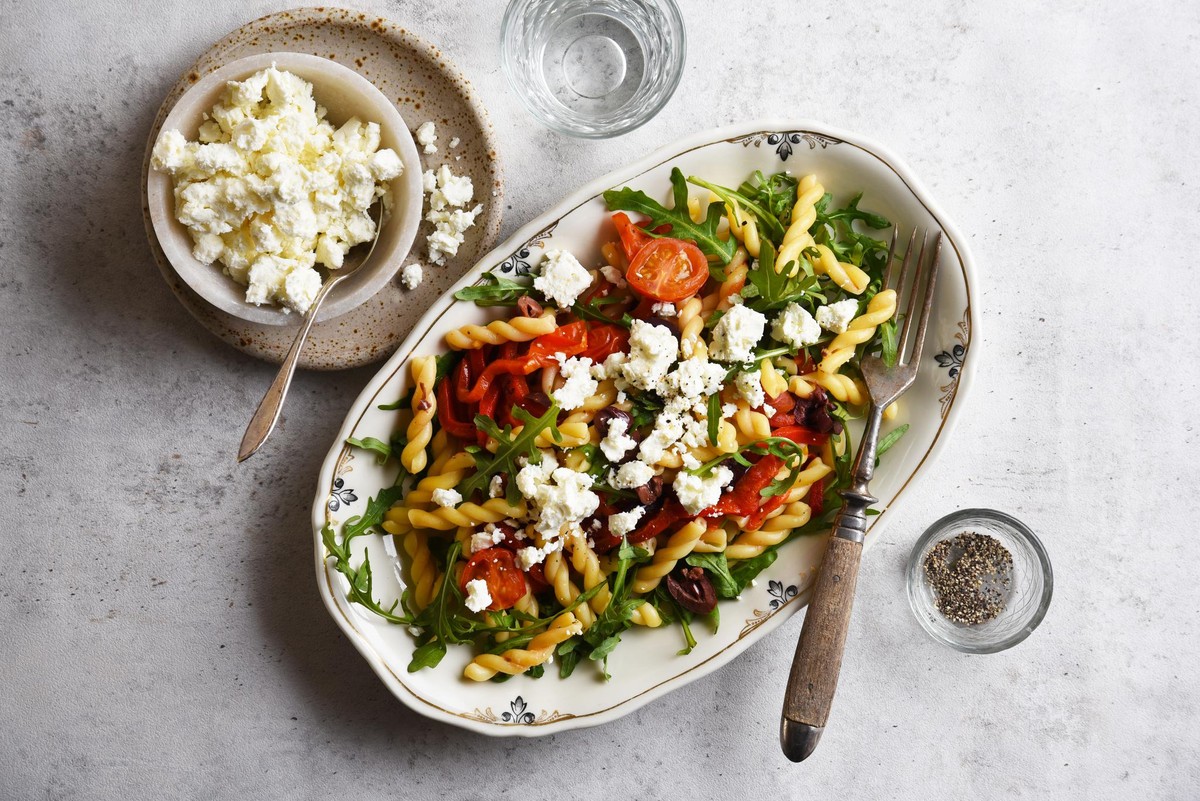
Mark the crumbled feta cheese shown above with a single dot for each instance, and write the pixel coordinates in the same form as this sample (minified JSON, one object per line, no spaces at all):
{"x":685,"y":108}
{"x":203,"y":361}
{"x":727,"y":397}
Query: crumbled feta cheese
{"x":836,"y":317}
{"x":749,"y":386}
{"x":271,"y":176}
{"x":622,"y":523}
{"x":559,"y":496}
{"x":412,"y":275}
{"x":578,"y":386}
{"x":668,"y":428}
{"x":529,"y":556}
{"x":697,"y":493}
{"x":563,"y":279}
{"x":652,"y":351}
{"x":448,"y":196}
{"x":633,"y":475}
{"x":416,"y":631}
{"x":768,"y":410}
{"x":610,"y":367}
{"x":664,"y":309}
{"x":616,"y":442}
{"x":427,"y":137}
{"x":736,"y":334}
{"x":496,"y":486}
{"x":447,"y":498}
{"x":480,"y":541}
{"x":478,"y":597}
{"x":796,"y":327}
{"x":613,"y":275}
{"x":692,"y":381}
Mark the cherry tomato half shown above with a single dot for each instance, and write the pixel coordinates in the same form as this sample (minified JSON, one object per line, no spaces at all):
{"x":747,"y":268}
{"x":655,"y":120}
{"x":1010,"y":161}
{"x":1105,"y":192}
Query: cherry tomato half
{"x":497,"y":567}
{"x":668,"y":270}
{"x":633,"y":237}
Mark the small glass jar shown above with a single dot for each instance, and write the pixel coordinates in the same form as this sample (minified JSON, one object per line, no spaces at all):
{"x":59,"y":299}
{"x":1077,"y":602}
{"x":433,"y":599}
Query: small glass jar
{"x":593,"y":68}
{"x":1028,"y":595}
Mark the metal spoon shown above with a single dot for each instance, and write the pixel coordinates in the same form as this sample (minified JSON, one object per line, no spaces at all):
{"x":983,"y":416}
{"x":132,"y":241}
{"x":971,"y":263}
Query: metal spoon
{"x":267,"y":414}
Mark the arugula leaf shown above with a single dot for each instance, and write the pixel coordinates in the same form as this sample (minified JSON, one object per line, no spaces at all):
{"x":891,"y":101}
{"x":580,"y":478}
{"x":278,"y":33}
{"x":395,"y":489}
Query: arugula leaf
{"x":890,"y":439}
{"x":592,"y":310}
{"x":646,"y":406}
{"x":704,"y":234}
{"x":568,"y":657}
{"x":495,"y":290}
{"x":776,"y":194}
{"x":835,"y":229}
{"x":773,"y":290}
{"x":771,"y":226}
{"x":889,"y":341}
{"x":717,"y":568}
{"x":382,"y":450}
{"x":509,"y":448}
{"x":747,"y":570}
{"x":714,"y":418}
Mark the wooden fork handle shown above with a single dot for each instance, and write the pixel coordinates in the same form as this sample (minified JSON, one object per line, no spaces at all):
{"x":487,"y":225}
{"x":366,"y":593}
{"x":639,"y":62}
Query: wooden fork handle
{"x":814,"y":674}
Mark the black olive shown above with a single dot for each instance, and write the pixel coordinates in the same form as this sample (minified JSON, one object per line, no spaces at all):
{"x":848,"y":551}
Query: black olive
{"x":691,"y":587}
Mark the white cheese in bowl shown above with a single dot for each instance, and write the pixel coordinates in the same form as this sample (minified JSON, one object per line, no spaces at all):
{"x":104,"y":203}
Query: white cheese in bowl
{"x":272,"y":190}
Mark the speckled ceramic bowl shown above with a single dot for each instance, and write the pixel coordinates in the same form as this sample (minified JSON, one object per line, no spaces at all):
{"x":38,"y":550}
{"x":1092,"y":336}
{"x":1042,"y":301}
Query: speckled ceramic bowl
{"x":344,"y":94}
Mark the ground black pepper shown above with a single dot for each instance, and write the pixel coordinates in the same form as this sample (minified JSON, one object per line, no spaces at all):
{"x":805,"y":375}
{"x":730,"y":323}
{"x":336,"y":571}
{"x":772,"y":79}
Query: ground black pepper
{"x":970,"y":575}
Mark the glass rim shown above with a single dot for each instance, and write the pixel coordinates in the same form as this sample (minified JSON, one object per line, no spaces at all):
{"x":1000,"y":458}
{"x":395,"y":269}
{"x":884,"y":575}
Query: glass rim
{"x":914,"y":580}
{"x":554,"y":124}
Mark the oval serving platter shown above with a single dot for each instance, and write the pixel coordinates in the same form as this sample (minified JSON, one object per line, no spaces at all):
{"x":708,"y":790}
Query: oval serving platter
{"x":646,"y":665}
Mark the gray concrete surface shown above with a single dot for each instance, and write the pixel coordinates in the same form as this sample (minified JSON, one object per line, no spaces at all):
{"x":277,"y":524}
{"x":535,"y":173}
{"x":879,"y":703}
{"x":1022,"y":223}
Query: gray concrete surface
{"x":160,"y":634}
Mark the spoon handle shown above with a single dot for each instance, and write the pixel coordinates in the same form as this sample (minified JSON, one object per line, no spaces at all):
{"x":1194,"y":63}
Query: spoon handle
{"x":267,"y":414}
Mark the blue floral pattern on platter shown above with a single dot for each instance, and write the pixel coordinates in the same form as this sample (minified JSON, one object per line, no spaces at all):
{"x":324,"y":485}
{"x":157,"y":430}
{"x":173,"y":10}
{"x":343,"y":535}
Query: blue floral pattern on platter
{"x":519,"y":262}
{"x":780,"y":594}
{"x":952,"y":358}
{"x":785,"y":142}
{"x":518,"y":714}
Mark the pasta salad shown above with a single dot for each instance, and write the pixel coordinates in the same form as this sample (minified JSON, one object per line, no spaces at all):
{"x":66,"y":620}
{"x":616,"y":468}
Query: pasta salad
{"x":631,"y":442}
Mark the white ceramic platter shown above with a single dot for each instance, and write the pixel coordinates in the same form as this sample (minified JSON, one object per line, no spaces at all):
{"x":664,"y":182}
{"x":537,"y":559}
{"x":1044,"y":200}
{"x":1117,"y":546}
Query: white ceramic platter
{"x":645,"y":665}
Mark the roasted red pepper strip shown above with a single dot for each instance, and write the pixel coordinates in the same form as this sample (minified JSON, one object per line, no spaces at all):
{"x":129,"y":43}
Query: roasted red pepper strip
{"x":755,"y":521}
{"x":450,"y":413}
{"x":604,"y":340}
{"x":569,"y":340}
{"x":746,"y":495}
{"x":801,"y":435}
{"x":816,"y":496}
{"x":671,"y":513}
{"x":783,"y":404}
{"x":487,"y":407}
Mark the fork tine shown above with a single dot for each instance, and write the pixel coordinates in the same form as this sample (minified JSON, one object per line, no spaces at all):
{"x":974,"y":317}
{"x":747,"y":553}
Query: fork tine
{"x":911,"y":305}
{"x":890,"y":272}
{"x":905,"y":265}
{"x":928,"y":303}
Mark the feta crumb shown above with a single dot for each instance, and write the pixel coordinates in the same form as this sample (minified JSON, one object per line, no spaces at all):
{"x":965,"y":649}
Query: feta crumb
{"x":736,"y":334}
{"x":613,"y":275}
{"x":529,"y":556}
{"x":796,"y":327}
{"x":448,"y":196}
{"x":668,"y":428}
{"x":652,"y":351}
{"x":531,"y":476}
{"x":664,"y":309}
{"x":691,"y":382}
{"x":480,"y":541}
{"x":749,"y":386}
{"x":496,"y":486}
{"x":563,"y":279}
{"x":447,"y":498}
{"x":622,"y":523}
{"x":697,"y":493}
{"x":633,"y":475}
{"x":579,"y":384}
{"x":616,"y":442}
{"x":836,"y":317}
{"x":427,"y":137}
{"x":412,"y":275}
{"x":478,"y":597}
{"x":416,"y":631}
{"x":454,"y":142}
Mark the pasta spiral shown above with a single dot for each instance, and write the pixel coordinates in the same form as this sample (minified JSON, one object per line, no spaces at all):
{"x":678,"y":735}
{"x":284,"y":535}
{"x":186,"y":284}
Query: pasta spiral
{"x":797,"y":237}
{"x":466,"y":514}
{"x":678,"y":546}
{"x":424,"y":407}
{"x":587,"y":565}
{"x":691,"y":328}
{"x":861,"y":330}
{"x":519,"y":660}
{"x":421,"y":568}
{"x":497,"y":332}
{"x":744,"y":227}
{"x":774,"y":530}
{"x":565,"y":590}
{"x":844,"y":274}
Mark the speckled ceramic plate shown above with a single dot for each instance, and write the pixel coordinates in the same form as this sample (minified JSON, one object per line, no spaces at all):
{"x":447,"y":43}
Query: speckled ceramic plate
{"x":646,"y":665}
{"x":417,"y":77}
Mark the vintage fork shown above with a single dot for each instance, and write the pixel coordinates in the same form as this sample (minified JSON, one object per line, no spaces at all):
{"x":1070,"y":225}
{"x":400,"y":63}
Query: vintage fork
{"x":814,"y":673}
